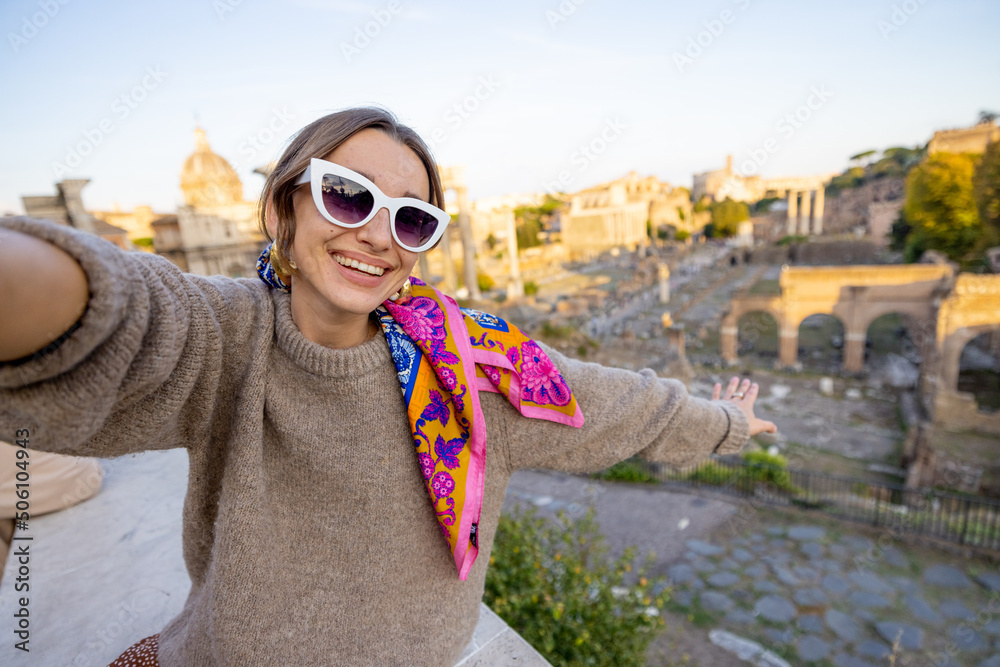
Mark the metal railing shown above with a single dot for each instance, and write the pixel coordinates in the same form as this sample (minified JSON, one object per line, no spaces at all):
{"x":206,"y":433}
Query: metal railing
{"x":962,"y":519}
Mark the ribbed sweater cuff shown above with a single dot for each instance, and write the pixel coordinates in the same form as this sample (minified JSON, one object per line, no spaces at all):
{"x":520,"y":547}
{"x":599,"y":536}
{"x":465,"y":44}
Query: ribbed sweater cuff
{"x":739,"y":430}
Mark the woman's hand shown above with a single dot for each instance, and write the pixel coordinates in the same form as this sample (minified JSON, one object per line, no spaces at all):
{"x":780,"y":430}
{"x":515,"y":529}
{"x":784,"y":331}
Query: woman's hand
{"x":744,"y":398}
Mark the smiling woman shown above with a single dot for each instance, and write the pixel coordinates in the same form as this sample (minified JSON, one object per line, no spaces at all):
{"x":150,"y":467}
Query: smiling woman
{"x":336,"y":414}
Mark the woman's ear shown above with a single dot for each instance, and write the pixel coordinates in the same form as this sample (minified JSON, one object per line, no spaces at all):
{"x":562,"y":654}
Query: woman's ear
{"x":270,"y":218}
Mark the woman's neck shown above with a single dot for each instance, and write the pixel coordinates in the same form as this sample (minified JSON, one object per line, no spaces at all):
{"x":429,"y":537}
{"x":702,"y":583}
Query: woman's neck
{"x":338,"y":332}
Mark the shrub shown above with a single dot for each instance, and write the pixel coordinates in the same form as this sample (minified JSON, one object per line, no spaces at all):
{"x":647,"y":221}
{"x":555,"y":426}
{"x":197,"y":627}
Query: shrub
{"x":530,"y":288}
{"x":486,"y":283}
{"x":554,"y":584}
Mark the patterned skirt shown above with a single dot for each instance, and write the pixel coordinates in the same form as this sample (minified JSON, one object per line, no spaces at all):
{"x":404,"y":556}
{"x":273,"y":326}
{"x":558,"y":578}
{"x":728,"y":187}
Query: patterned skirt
{"x":141,"y":654}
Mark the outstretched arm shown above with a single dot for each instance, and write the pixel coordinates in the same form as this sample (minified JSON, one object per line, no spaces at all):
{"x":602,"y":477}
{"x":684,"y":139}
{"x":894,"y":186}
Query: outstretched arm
{"x":140,"y":368}
{"x":628,"y":413}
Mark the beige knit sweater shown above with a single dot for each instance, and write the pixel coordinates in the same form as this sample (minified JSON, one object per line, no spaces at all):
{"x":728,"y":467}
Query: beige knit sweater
{"x":308,"y":534}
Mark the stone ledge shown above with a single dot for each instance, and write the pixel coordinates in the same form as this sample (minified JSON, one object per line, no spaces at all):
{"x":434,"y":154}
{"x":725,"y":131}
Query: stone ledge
{"x":110,"y":571}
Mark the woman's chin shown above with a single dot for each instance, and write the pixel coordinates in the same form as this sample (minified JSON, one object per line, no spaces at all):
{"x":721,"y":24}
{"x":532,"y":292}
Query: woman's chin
{"x":341,"y":299}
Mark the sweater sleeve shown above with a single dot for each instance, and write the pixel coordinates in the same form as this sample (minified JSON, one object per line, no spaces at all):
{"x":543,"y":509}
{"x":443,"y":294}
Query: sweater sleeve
{"x":142,"y":368}
{"x":625,"y":413}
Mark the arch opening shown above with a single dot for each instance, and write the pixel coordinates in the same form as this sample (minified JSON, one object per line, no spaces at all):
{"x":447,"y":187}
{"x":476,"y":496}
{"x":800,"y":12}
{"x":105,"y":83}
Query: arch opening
{"x":821,"y":341}
{"x":757,"y":337}
{"x":891,"y":352}
{"x":979,"y":370}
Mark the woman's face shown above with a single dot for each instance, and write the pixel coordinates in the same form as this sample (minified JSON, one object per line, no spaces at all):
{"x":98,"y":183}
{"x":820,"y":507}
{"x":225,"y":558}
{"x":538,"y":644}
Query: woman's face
{"x":336,"y":292}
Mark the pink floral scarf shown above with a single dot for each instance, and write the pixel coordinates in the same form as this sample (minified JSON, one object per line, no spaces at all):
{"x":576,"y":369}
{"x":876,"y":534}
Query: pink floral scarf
{"x":444,"y":356}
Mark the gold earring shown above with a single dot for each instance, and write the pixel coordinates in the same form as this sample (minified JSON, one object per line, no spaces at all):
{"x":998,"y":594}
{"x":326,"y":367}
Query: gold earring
{"x":403,"y":293}
{"x":278,"y":261}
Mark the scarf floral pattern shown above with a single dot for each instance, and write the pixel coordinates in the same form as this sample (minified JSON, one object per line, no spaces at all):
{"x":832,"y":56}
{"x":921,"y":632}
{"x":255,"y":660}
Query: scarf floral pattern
{"x":445,"y":356}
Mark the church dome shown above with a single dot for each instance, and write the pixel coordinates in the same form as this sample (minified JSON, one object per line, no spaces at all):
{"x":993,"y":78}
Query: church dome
{"x":207,"y":179}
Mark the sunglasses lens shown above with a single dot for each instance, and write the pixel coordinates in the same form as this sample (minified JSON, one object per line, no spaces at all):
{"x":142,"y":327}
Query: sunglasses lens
{"x":414,"y":227}
{"x":345,"y":200}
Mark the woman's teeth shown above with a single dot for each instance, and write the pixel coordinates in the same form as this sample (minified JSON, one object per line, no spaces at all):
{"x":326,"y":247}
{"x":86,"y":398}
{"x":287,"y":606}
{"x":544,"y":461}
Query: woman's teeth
{"x":360,"y":266}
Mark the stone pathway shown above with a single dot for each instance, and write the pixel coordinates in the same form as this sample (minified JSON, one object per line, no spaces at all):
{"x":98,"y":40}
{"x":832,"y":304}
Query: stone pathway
{"x":815,"y":597}
{"x":779,"y":591}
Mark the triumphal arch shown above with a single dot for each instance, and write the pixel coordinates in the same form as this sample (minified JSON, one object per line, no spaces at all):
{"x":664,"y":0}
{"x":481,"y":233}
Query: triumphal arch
{"x":942,"y":311}
{"x":971,"y":309}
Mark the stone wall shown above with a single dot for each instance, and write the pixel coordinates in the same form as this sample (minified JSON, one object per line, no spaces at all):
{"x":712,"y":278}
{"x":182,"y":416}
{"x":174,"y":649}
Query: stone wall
{"x":851,"y":208}
{"x":965,"y":140}
{"x":834,"y":253}
{"x":820,"y":253}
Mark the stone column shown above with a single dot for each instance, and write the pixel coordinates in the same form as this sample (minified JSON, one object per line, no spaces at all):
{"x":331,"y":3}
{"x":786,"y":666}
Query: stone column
{"x":854,"y":352}
{"x":515,"y":286}
{"x":788,"y":347}
{"x":471,"y":274}
{"x":806,"y":210}
{"x":663,"y":271}
{"x":728,"y":334}
{"x":818,"y":210}
{"x":793,"y":211}
{"x":675,"y":336}
{"x":70,"y":190}
{"x":450,"y":283}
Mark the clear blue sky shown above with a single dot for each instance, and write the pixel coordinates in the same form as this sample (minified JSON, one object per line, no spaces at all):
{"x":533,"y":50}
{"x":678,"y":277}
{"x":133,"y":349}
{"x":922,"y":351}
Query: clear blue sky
{"x":243,"y":66}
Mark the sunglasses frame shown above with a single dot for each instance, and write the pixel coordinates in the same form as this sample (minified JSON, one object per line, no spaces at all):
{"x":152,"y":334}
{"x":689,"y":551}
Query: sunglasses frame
{"x":318,"y":168}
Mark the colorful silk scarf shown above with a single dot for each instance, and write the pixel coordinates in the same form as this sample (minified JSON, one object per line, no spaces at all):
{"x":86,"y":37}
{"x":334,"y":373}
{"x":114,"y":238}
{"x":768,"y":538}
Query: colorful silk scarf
{"x":444,"y":356}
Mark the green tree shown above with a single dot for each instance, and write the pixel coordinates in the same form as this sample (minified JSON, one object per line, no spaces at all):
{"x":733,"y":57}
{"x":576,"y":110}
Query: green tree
{"x":863,"y":157}
{"x":527,"y":233}
{"x":532,"y":220}
{"x":852,"y":178}
{"x":986,"y":190}
{"x":726,"y":216}
{"x":764,"y":205}
{"x":940,"y":207}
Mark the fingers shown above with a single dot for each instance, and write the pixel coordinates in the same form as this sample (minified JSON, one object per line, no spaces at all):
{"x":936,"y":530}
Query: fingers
{"x":762,"y":426}
{"x":737,"y":391}
{"x":731,"y":388}
{"x":744,"y":389}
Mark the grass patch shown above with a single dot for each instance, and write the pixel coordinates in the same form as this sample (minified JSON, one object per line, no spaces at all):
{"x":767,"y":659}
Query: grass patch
{"x":766,"y":288}
{"x":629,"y":470}
{"x":760,"y":468}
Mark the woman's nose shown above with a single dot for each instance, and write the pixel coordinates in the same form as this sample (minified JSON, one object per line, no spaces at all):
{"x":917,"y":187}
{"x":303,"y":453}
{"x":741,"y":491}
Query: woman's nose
{"x":376,"y":232}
